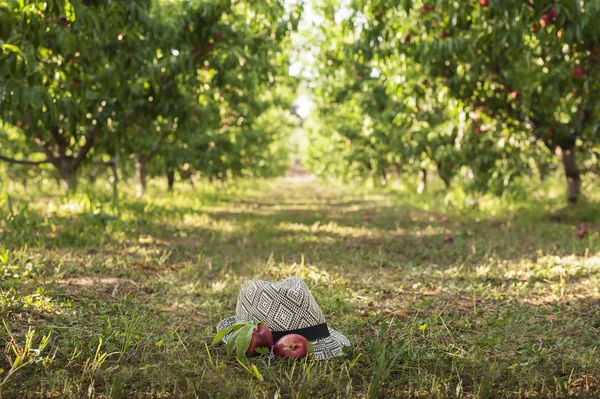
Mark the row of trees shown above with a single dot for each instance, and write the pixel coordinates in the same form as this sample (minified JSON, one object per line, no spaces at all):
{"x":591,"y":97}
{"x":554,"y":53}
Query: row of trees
{"x":187,"y":85}
{"x":492,"y":90}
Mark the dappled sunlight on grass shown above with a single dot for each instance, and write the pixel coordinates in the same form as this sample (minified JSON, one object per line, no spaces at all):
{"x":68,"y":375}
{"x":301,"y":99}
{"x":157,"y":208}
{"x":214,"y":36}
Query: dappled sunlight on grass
{"x":513,"y":296}
{"x":331,"y":227}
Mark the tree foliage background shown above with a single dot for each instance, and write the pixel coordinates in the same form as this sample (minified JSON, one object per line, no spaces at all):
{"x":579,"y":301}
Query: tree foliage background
{"x":486,"y":90}
{"x":194,"y":86}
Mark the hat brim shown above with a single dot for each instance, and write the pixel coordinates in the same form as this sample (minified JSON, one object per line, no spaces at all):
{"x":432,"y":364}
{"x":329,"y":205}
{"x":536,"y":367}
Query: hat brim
{"x":325,"y":348}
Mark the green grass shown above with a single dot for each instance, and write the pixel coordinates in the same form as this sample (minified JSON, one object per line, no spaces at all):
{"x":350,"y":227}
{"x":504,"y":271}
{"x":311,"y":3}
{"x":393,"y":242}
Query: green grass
{"x":129,"y":295}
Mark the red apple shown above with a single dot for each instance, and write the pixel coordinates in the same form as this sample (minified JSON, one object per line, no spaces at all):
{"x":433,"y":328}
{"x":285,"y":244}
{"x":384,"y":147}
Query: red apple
{"x":209,"y":47}
{"x":545,"y":20}
{"x":291,"y":345}
{"x":579,"y":73}
{"x":535,"y":28}
{"x":445,"y":218}
{"x":77,"y":82}
{"x":515,"y":94}
{"x":478,"y":131}
{"x":367,"y":218}
{"x":483,"y":3}
{"x":64,"y":22}
{"x":261,"y":338}
{"x":218,"y":36}
{"x":553,"y":13}
{"x":582,"y":232}
{"x":448,"y":240}
{"x":444,"y":34}
{"x":426,"y":8}
{"x":407,"y":39}
{"x":187,"y":27}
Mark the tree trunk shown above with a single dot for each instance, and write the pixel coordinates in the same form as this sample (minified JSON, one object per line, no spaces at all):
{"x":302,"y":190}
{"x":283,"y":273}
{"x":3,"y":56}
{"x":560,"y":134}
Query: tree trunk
{"x":572,"y":173}
{"x":443,"y":175}
{"x":383,"y":177}
{"x":141,"y":165}
{"x":171,"y":178}
{"x":114,"y":166}
{"x":543,"y":169}
{"x":422,"y":181}
{"x":398,"y":170}
{"x":67,"y":170}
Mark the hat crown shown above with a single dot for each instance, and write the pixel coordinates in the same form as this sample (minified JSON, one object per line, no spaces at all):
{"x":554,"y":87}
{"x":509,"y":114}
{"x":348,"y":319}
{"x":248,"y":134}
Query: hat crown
{"x":282,"y":306}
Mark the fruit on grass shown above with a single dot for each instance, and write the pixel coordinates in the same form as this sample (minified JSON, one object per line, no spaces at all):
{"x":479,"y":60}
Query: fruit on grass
{"x":291,"y":345}
{"x":261,"y":338}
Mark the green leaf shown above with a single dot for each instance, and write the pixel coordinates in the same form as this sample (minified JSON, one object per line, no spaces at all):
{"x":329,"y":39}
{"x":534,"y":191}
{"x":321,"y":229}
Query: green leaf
{"x":221,"y":334}
{"x":263,"y":351}
{"x":12,"y":48}
{"x":257,"y":373}
{"x":243,"y":341}
{"x":231,"y":342}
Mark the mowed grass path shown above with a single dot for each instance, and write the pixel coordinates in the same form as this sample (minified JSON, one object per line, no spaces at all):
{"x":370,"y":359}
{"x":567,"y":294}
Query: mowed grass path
{"x":129,"y":297}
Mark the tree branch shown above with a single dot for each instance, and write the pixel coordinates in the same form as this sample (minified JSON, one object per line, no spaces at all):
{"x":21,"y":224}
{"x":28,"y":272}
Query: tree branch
{"x":42,"y":144}
{"x":25,"y":162}
{"x":530,"y":5}
{"x":60,"y":140}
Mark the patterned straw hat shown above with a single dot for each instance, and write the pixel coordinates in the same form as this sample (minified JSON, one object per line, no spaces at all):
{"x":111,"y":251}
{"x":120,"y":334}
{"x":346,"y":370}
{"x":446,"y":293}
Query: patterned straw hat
{"x":287,"y":307}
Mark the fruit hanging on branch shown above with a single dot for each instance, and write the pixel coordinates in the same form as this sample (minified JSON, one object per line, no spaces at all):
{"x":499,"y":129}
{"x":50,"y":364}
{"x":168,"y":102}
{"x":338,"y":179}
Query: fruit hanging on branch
{"x":579,"y":73}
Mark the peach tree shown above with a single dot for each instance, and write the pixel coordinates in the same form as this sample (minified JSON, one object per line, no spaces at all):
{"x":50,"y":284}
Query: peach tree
{"x":513,"y":83}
